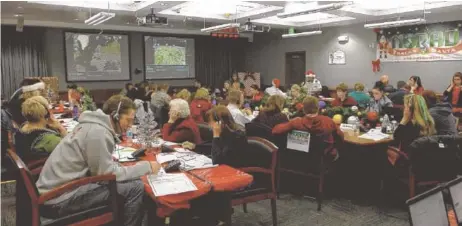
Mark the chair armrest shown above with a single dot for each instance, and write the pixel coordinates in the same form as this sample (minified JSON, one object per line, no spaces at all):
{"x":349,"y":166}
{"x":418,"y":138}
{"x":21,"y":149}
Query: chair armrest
{"x":397,"y":150}
{"x":255,"y":170}
{"x":36,"y":163}
{"x":73,"y":185}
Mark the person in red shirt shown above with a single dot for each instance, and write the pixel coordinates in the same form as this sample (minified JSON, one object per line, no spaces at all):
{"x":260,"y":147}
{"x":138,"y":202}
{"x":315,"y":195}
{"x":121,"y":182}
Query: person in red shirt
{"x":180,"y":127}
{"x":200,"y":105}
{"x":416,"y":85}
{"x":343,"y":100}
{"x":317,"y":125}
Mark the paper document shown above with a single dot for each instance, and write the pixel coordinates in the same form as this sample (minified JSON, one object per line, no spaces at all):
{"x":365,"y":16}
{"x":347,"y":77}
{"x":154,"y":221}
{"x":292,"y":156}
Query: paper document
{"x":191,"y":161}
{"x":375,"y":135}
{"x":164,"y":157}
{"x":168,"y":184}
{"x":123,"y":153}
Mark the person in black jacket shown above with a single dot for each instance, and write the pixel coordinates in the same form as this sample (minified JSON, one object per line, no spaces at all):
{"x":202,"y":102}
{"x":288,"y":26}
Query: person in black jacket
{"x":450,"y":94}
{"x":229,"y":142}
{"x":445,"y":122}
{"x":397,"y":97}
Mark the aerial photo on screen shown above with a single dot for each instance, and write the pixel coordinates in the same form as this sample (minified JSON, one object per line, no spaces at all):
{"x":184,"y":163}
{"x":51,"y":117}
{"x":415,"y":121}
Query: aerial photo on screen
{"x":169,"y":55}
{"x":95,"y":54}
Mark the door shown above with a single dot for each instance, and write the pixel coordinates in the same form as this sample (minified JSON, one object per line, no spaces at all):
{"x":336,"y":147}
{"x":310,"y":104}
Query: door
{"x":295,"y":68}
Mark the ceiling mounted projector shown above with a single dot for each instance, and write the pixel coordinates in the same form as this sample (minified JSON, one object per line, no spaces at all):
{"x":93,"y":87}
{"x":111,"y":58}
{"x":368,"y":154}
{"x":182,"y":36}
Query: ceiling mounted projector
{"x":152,"y":19}
{"x":99,"y":18}
{"x":301,"y":34}
{"x":318,"y":9}
{"x":250,"y":27}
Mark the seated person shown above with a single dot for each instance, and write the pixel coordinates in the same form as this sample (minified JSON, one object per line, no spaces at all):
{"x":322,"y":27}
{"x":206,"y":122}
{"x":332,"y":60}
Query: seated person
{"x":40,"y":134}
{"x":343,"y":100}
{"x":274,"y":89}
{"x":229,"y":141}
{"x":385,"y":83}
{"x":416,"y":85}
{"x":359,"y":95}
{"x":453,"y":93}
{"x":397,"y":97}
{"x":180,"y":127}
{"x":379,"y":101}
{"x":257,"y":96}
{"x":234,"y":105}
{"x":311,"y":86}
{"x":445,"y":122}
{"x":159,"y":102}
{"x":73,"y":95}
{"x":200,"y":105}
{"x":315,"y":124}
{"x":416,"y":121}
{"x":87,"y":151}
{"x":271,"y":115}
{"x":30,"y":87}
{"x":296,"y":95}
{"x":184,"y":94}
{"x":128,"y":87}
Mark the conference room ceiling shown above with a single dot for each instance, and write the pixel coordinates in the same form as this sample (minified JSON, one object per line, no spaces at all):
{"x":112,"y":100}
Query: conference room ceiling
{"x":189,"y":17}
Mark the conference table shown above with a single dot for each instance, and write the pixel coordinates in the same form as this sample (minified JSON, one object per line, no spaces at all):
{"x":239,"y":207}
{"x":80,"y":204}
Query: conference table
{"x":222,"y":178}
{"x":362,"y":163}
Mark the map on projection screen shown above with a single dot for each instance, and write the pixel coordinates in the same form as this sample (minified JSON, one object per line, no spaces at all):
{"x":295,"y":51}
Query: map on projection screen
{"x":97,"y":57}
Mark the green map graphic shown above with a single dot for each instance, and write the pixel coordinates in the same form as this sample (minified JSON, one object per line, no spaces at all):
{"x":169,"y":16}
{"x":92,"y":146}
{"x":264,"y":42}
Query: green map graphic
{"x":169,"y":55}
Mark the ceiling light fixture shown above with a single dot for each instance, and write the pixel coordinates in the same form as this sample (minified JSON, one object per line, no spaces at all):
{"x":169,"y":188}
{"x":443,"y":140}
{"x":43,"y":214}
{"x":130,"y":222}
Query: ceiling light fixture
{"x":397,"y":23}
{"x":99,"y":18}
{"x":301,"y":34}
{"x":318,"y":9}
{"x":220,"y":27}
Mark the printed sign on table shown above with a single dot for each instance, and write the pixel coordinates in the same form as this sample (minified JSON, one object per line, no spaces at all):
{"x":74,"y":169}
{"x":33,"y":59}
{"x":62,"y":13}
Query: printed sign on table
{"x":298,"y":140}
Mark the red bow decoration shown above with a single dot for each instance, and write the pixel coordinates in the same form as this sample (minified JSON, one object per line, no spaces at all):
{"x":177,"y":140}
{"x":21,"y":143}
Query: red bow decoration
{"x":376,"y":65}
{"x":249,"y":74}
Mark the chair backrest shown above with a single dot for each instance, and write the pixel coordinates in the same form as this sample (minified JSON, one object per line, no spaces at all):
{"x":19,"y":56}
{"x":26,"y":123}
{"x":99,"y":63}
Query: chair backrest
{"x":436,"y":157}
{"x":205,"y":131}
{"x":26,"y":176}
{"x":253,"y":129}
{"x":261,"y":157}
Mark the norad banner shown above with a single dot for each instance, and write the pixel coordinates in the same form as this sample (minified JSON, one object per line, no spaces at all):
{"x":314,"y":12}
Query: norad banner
{"x":431,"y":42}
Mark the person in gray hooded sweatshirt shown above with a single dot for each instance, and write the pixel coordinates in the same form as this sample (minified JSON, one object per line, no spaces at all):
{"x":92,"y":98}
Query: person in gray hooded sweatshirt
{"x":87,"y":151}
{"x":445,"y":121}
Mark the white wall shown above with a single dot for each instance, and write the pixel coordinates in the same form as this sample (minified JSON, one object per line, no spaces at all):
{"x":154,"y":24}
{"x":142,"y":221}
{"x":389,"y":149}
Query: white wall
{"x":267,"y":55}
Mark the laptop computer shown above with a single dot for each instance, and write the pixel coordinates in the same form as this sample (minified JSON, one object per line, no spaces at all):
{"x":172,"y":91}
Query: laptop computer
{"x":428,"y":208}
{"x":455,"y":193}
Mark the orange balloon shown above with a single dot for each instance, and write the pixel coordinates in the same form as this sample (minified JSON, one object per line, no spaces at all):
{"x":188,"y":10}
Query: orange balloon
{"x":372,"y":116}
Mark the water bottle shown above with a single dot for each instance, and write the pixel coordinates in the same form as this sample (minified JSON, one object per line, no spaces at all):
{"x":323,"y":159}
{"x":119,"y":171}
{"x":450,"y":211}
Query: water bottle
{"x":129,"y":136}
{"x":75,"y":112}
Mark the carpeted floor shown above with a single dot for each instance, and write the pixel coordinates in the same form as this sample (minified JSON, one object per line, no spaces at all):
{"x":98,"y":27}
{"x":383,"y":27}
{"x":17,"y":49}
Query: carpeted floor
{"x":292,"y":211}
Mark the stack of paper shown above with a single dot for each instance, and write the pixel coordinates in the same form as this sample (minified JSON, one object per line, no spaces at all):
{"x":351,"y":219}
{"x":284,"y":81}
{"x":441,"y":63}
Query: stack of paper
{"x":374,"y":134}
{"x":123,"y":154}
{"x":189,"y":160}
{"x":168,"y":184}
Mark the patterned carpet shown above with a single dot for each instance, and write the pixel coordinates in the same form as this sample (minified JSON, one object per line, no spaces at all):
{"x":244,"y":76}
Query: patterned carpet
{"x":292,"y":211}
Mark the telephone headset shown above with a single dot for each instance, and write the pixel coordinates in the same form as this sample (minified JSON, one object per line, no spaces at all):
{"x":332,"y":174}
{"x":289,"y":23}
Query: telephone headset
{"x":115,"y":114}
{"x":216,"y":118}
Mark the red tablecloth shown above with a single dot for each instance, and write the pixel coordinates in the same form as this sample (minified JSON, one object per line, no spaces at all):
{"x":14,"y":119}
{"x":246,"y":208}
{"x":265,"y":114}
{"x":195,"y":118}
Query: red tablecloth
{"x":222,"y":178}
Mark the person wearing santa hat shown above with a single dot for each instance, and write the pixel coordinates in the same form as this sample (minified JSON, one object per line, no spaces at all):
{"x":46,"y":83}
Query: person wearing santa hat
{"x":274,"y":89}
{"x":311,"y":84}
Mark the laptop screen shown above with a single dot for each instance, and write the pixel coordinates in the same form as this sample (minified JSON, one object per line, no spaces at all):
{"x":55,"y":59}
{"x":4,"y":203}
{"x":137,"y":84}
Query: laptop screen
{"x":456,"y":196}
{"x":429,"y":210}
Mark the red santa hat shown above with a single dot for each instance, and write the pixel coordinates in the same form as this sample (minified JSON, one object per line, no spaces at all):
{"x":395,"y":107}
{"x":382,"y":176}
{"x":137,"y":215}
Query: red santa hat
{"x":276,"y":82}
{"x":310,"y":73}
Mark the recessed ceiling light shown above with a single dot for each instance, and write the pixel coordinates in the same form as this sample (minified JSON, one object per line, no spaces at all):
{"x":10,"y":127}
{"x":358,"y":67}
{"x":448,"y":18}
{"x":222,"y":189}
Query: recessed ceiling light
{"x":163,"y":4}
{"x":76,"y":19}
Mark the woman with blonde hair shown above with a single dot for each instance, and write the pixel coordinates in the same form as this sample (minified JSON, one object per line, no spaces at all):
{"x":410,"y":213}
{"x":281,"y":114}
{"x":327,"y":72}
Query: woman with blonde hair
{"x":200,"y":105}
{"x":271,"y":115}
{"x":184,"y":94}
{"x":417,"y":121}
{"x":40,"y":134}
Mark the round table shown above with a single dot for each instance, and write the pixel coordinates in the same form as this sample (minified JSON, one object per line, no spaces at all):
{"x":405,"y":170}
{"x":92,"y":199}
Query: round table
{"x":362,"y":163}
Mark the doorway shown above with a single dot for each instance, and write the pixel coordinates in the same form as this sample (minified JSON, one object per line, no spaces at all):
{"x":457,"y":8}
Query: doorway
{"x":295,"y":68}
